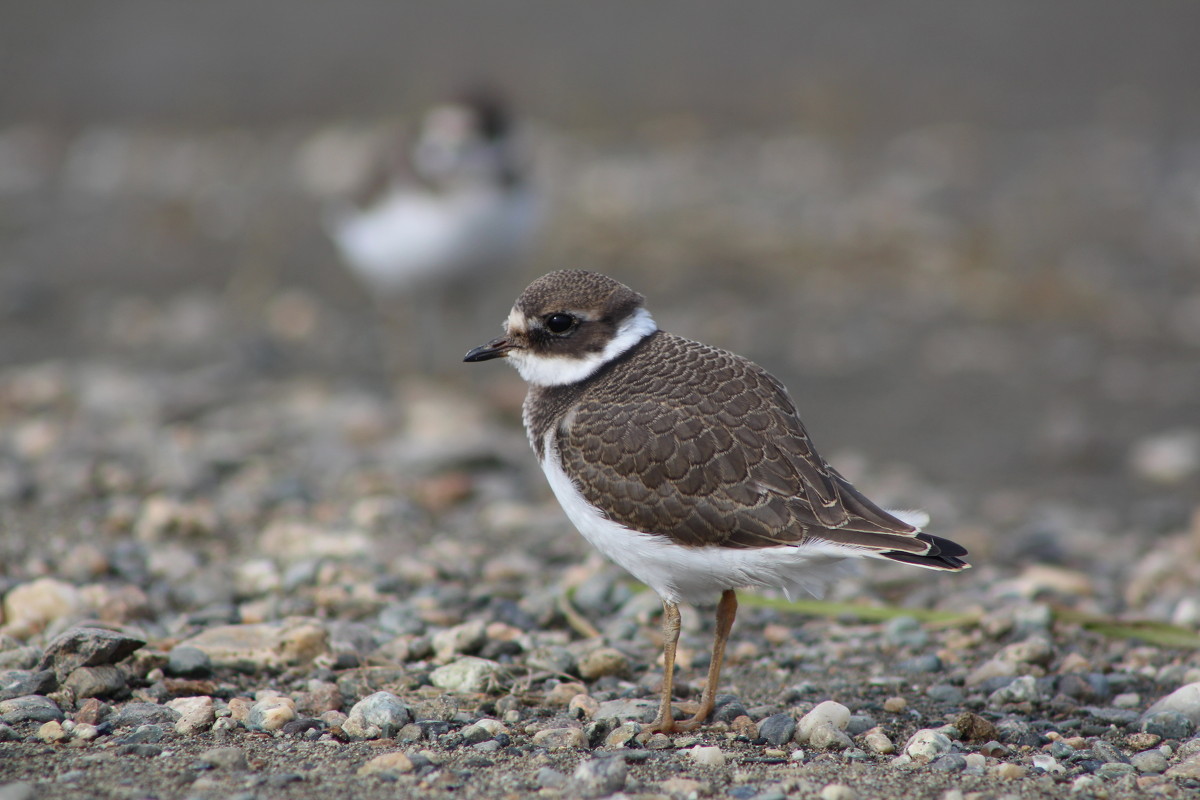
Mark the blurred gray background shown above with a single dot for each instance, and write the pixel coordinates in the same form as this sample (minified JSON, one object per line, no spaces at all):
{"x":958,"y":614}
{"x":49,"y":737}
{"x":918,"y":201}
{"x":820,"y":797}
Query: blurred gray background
{"x":966,"y":234}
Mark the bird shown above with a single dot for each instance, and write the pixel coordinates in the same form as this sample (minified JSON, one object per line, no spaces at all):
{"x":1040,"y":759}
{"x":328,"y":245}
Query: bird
{"x":457,"y":202}
{"x":685,"y":464}
{"x":441,"y":216}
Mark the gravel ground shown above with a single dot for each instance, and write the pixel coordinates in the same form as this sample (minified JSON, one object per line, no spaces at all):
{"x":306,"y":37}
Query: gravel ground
{"x":241,"y":557}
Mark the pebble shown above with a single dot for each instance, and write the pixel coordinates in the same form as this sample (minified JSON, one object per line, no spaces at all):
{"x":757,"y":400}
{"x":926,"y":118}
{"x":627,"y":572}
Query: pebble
{"x":132,"y":715}
{"x":52,"y":732}
{"x":1034,"y":650}
{"x":31,"y":708}
{"x":1023,"y":690}
{"x":859,"y":723}
{"x":920,"y":665}
{"x":1008,"y":771}
{"x":827,"y":737}
{"x":1167,"y":724}
{"x":990,"y":670}
{"x":1189,"y":768}
{"x":583,"y":706}
{"x":829,"y":714}
{"x":379,"y":716}
{"x":926,"y":745}
{"x":30,"y":607}
{"x":838,"y":791}
{"x":565,"y":692}
{"x":467,"y":675}
{"x":599,"y":777}
{"x":18,"y":790}
{"x":707,"y":756}
{"x":974,"y":728}
{"x":188,"y":662}
{"x":1107,"y":752}
{"x":561,"y":739}
{"x":950,"y":762}
{"x":777,"y":729}
{"x":1184,"y":700}
{"x":550,"y":778}
{"x":643,"y":711}
{"x":878,"y":742}
{"x":196,"y":714}
{"x":601,"y":662}
{"x":87,"y":647}
{"x":1149,"y":761}
{"x":462,"y":639}
{"x":1048,"y":764}
{"x":622,"y":735}
{"x":102,"y":681}
{"x":553,"y":659}
{"x":230,"y":758}
{"x":21,"y":682}
{"x":905,"y":631}
{"x":272,"y":713}
{"x":396,"y":762}
{"x":895,"y":705}
{"x":267,"y":646}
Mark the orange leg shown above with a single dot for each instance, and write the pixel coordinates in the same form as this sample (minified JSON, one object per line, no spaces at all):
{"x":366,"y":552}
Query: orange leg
{"x":726,"y":611}
{"x":665,"y":723}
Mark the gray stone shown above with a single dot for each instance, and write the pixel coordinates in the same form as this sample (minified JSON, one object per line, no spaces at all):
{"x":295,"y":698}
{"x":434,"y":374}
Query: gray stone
{"x":232,"y":758}
{"x":22,"y":682}
{"x":31,"y":708}
{"x":950,"y":762}
{"x":920,"y":665}
{"x":1150,"y":761}
{"x":1113,"y":716}
{"x":827,"y":737}
{"x":86,"y":647}
{"x":1115,"y":769}
{"x":553,"y":658}
{"x":636,"y":710}
{"x":926,"y":745}
{"x":548,"y":778}
{"x":905,"y":632}
{"x":1168,"y":725}
{"x":144,"y":734}
{"x":467,"y":675}
{"x":132,"y":714}
{"x":599,"y":777}
{"x":1022,"y":690}
{"x":380,"y":715}
{"x":945,"y":693}
{"x":859,"y":723}
{"x":18,"y":790}
{"x":727,"y":708}
{"x":186,"y":661}
{"x":1107,"y":752}
{"x":102,"y":681}
{"x":777,"y":729}
{"x":1184,"y":700}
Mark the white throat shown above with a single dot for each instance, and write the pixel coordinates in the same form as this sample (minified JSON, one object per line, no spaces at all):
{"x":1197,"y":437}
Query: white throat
{"x":564,"y":370}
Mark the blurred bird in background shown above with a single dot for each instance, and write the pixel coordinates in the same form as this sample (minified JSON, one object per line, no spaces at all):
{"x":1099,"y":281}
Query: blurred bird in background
{"x":437,"y":221}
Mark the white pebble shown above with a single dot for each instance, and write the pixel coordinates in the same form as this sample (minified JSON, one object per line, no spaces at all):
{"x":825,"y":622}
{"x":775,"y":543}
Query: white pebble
{"x":707,"y":756}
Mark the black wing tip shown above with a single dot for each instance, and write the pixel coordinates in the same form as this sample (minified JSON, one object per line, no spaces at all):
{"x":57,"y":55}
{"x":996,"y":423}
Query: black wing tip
{"x":942,"y":554}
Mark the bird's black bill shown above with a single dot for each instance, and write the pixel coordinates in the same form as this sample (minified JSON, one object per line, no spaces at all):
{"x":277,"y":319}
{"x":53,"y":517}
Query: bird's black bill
{"x":496,"y":348}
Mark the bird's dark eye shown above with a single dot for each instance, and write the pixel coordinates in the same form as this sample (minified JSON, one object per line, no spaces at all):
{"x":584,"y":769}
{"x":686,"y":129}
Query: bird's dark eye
{"x":559,"y":323}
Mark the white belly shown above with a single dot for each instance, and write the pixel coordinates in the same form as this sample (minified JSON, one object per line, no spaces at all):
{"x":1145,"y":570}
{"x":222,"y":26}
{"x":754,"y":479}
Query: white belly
{"x":696,"y":574}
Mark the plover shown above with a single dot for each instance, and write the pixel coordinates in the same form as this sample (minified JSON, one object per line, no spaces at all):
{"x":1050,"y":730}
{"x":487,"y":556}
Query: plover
{"x":685,"y":464}
{"x":458,"y":202}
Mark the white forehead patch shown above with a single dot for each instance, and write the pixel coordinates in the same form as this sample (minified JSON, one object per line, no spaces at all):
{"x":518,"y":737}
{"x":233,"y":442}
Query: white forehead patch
{"x":516,"y":322}
{"x":563,"y":370}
